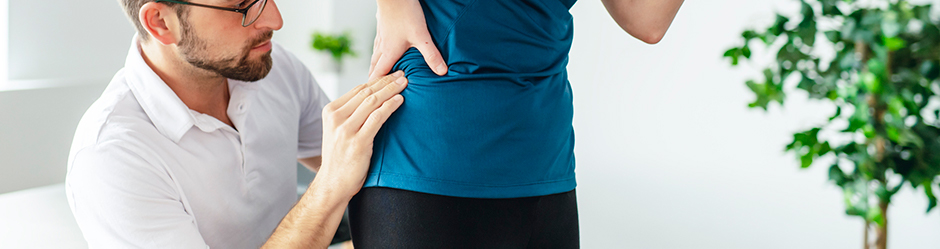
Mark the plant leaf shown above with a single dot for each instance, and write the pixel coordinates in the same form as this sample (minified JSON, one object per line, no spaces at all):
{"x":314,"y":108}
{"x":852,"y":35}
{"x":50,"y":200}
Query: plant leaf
{"x":931,"y":198}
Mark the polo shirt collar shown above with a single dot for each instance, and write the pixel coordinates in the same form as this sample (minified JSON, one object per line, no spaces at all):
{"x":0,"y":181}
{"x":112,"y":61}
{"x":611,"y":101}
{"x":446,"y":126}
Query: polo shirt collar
{"x":166,"y":111}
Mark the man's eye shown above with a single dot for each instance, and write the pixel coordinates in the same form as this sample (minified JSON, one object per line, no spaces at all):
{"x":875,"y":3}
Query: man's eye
{"x":242,"y":4}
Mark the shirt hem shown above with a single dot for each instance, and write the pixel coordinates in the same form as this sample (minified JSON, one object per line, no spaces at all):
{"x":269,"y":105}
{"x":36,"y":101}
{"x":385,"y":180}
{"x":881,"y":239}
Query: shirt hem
{"x":469,"y":190}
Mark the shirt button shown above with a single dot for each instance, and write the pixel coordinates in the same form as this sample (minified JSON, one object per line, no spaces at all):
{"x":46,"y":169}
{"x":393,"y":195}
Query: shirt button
{"x":241,"y":107}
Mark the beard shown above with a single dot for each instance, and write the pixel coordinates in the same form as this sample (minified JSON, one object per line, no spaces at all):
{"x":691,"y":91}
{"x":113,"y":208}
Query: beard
{"x":238,"y":67}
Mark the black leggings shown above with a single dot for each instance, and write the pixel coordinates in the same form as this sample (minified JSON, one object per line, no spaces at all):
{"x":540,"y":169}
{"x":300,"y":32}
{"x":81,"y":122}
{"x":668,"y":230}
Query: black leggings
{"x":394,"y":218}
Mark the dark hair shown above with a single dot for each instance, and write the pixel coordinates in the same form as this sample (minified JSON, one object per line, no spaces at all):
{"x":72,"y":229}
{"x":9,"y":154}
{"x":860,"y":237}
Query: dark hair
{"x":132,"y":10}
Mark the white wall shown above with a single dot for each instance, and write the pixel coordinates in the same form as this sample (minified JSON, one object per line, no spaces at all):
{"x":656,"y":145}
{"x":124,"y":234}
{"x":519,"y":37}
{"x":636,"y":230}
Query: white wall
{"x":67,"y":39}
{"x":303,"y":17}
{"x":669,"y":156}
{"x":4,"y":41}
{"x":36,"y":128}
{"x":62,"y":53}
{"x":358,"y":17}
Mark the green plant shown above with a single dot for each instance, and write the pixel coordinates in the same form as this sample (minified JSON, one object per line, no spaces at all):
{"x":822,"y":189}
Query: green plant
{"x":337,"y":45}
{"x":881,"y":80}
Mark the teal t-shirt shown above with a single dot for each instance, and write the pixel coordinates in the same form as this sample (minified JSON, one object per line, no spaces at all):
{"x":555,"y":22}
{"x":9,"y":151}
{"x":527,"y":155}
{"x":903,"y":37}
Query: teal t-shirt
{"x":498,"y":125}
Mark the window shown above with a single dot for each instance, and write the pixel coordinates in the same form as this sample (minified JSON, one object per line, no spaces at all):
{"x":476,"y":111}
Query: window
{"x":4,"y":38}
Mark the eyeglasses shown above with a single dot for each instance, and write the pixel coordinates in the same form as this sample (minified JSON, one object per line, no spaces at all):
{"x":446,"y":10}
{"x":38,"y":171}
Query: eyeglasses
{"x":250,"y":13}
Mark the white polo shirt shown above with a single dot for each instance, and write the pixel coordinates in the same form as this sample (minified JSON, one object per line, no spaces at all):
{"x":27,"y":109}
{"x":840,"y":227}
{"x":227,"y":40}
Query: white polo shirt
{"x":145,"y":171}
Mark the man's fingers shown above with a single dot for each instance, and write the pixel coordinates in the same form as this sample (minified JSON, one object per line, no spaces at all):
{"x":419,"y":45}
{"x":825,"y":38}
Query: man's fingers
{"x":338,"y":103}
{"x":378,"y":84}
{"x":378,"y":117}
{"x":364,"y":92}
{"x":433,"y":57}
{"x":370,"y":103}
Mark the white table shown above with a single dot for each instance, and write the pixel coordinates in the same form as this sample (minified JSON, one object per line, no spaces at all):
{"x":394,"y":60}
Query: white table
{"x":38,"y":218}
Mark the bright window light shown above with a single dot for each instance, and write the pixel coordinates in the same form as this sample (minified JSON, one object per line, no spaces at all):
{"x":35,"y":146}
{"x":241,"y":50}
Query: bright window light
{"x":4,"y":41}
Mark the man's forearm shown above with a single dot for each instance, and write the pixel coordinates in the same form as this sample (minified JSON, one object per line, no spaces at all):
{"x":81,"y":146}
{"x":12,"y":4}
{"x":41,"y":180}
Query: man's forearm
{"x":314,"y":219}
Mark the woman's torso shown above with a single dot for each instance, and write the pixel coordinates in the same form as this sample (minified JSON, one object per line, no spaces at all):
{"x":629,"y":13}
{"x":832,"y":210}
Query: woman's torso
{"x":498,"y":125}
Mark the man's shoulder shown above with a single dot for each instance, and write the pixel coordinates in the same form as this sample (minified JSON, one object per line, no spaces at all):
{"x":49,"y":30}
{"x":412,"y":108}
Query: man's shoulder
{"x":115,"y":118}
{"x":114,"y":140}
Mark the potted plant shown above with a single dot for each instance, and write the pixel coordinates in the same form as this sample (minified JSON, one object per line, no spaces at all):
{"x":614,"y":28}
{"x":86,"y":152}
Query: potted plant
{"x":881,"y":81}
{"x":339,"y":46}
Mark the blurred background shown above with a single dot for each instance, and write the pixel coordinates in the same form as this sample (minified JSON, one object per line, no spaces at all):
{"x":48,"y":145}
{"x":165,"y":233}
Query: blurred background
{"x":668,"y":154}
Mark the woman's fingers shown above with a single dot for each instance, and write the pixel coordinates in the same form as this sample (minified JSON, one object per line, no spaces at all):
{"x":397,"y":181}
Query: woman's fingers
{"x":375,"y":58}
{"x":385,"y":62}
{"x":376,"y":53}
{"x":432,"y":56}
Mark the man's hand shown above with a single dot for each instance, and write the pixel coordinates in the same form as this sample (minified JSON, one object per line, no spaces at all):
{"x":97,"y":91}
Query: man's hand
{"x":349,"y":126}
{"x":401,"y":25}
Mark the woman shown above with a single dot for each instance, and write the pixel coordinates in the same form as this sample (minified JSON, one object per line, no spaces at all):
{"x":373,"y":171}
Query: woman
{"x":480,"y":155}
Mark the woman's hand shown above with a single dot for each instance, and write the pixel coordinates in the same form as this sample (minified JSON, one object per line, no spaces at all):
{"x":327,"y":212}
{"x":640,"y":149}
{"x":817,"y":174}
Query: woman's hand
{"x":401,"y":25}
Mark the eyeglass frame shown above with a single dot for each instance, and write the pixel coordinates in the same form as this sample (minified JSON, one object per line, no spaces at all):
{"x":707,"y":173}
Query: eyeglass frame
{"x":243,"y":11}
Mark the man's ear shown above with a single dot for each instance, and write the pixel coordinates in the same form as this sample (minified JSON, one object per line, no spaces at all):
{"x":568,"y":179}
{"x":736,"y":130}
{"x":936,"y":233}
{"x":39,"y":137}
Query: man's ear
{"x":161,"y":22}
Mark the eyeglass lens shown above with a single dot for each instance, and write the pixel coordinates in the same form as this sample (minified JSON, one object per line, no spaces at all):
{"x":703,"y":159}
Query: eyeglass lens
{"x":254,"y":12}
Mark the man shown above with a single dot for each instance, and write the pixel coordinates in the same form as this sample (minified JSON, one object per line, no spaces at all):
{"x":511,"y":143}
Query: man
{"x":193,"y":143}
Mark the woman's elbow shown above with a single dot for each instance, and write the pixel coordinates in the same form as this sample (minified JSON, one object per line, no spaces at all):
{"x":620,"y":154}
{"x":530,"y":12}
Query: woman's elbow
{"x":653,"y":37}
{"x":649,"y":36}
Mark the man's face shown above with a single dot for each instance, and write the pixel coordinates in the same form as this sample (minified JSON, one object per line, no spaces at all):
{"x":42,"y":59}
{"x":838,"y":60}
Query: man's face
{"x":223,"y":46}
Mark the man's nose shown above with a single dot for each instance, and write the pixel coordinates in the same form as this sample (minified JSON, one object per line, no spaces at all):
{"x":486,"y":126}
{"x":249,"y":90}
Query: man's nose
{"x":270,"y":17}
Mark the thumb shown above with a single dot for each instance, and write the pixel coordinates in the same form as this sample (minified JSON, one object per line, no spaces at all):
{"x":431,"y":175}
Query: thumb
{"x":433,"y":57}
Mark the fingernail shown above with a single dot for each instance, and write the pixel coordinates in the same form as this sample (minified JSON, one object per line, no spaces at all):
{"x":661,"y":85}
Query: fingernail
{"x":398,"y":73}
{"x":441,"y":69}
{"x":400,"y":80}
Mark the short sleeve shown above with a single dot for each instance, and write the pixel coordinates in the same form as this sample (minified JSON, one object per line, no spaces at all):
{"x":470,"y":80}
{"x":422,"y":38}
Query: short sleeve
{"x":313,"y":99}
{"x":122,"y":200}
